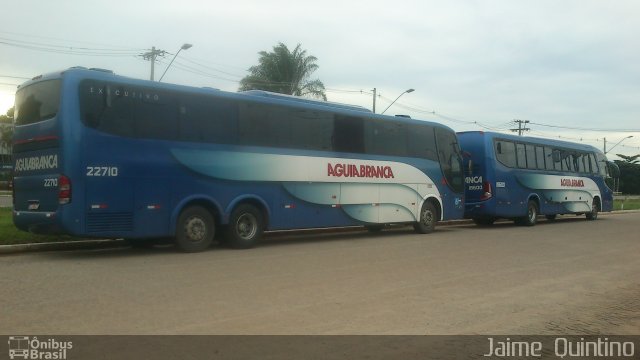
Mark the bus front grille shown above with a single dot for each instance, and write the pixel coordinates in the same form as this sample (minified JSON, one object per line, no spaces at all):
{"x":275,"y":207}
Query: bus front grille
{"x":108,"y":222}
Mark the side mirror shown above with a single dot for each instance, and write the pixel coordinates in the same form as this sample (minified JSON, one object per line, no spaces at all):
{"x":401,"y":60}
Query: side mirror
{"x":614,"y":170}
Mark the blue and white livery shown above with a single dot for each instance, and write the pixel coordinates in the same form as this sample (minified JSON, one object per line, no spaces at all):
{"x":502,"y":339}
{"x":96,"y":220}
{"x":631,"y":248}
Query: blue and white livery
{"x":519,"y":178}
{"x":107,"y":156}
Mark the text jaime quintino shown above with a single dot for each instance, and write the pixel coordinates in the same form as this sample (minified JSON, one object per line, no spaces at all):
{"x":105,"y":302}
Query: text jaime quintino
{"x":561,"y":347}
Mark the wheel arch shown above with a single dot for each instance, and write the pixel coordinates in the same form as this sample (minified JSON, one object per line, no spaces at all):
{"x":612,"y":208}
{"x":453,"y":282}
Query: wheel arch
{"x":254,"y":200}
{"x":437,"y":203}
{"x":196,"y":200}
{"x":535,"y":198}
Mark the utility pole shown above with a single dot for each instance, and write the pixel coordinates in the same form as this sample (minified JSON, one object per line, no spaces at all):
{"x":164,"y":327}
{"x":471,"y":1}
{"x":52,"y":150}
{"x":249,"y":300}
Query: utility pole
{"x":374,"y":100}
{"x":520,"y":128}
{"x":152,"y":55}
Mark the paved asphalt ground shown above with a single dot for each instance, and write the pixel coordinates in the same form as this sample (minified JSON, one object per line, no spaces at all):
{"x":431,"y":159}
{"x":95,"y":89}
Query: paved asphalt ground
{"x":568,"y":277}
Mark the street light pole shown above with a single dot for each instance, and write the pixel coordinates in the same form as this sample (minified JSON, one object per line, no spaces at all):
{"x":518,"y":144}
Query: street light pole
{"x":183,"y":47}
{"x":405,"y":92}
{"x":618,"y":143}
{"x":374,"y":100}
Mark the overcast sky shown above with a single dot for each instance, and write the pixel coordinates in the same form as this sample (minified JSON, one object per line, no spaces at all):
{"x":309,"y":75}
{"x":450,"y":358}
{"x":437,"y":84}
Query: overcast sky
{"x":477,"y":64}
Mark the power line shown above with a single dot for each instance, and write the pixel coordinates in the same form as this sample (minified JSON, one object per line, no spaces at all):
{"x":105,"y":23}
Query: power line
{"x":584,"y":129}
{"x":67,"y":40}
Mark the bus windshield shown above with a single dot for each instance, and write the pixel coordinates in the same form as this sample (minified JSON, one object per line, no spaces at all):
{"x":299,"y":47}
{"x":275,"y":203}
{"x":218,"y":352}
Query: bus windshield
{"x":37,"y":102}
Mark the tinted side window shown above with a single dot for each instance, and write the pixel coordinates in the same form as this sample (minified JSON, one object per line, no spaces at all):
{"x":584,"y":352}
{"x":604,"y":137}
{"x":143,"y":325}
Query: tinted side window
{"x":531,"y":156}
{"x":37,"y":102}
{"x":602,"y":164}
{"x":567,"y":161}
{"x":157,"y":119}
{"x":506,"y":152}
{"x":557,"y":159}
{"x":521,"y":156}
{"x":422,"y":142}
{"x":311,"y":129}
{"x":450,"y":159}
{"x":594,"y":164}
{"x":209,"y":120}
{"x":548,"y":158}
{"x":348,"y":134}
{"x":125,"y":110}
{"x":540,"y":157}
{"x":262,"y":125}
{"x":117,"y":115}
{"x":386,"y":138}
{"x":579,"y":159}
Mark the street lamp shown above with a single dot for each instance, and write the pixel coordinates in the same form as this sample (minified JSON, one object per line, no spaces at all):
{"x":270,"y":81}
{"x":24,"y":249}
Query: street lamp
{"x":405,"y":92}
{"x":183,"y":47}
{"x":618,"y":143}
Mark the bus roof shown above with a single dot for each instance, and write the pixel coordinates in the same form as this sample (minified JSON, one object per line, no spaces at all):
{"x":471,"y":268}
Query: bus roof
{"x":535,"y":140}
{"x":80,"y":73}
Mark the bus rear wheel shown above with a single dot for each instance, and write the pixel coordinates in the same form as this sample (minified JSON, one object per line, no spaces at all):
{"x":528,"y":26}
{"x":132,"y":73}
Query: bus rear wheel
{"x":532,"y":215}
{"x":595,"y":209}
{"x":195,"y":229}
{"x":428,"y":219}
{"x":245,"y":227}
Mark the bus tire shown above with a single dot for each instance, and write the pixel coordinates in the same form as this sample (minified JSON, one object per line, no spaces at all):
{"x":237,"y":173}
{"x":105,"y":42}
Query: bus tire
{"x":245,"y":227}
{"x":532,"y":214}
{"x":595,"y":209}
{"x":195,"y":229}
{"x":428,"y":219}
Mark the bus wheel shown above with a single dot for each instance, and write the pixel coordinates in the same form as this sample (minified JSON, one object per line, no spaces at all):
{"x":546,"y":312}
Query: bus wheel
{"x":195,"y":229}
{"x":532,"y":214}
{"x":595,"y":209}
{"x":484,"y":221}
{"x":551,"y":217}
{"x":428,"y":219}
{"x":245,"y":227}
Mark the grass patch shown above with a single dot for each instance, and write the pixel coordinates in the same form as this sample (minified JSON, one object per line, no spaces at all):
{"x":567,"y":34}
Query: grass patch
{"x":629,"y":204}
{"x":10,"y":235}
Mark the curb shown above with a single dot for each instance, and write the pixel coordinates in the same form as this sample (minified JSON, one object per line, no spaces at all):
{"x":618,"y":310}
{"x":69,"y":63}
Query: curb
{"x":116,"y":243}
{"x":61,"y":246}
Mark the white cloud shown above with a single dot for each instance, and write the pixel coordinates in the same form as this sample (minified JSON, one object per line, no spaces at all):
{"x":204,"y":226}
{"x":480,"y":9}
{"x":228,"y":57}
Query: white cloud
{"x":569,"y":62}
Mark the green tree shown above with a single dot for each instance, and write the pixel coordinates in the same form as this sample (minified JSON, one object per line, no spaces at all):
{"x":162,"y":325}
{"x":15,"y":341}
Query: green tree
{"x":285,"y":72}
{"x":629,"y":159}
{"x":6,"y":136}
{"x":629,"y":174}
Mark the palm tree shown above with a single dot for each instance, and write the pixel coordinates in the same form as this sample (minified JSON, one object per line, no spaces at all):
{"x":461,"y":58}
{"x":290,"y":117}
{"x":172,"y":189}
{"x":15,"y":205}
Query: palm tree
{"x":285,"y":72}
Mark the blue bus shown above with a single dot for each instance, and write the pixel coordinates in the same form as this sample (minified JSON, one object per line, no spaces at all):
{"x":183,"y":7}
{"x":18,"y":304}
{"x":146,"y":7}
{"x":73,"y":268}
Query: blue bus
{"x":100,"y":155}
{"x":519,"y":178}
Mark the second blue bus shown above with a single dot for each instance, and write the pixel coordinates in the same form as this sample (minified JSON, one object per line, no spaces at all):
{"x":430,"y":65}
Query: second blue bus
{"x":519,"y":178}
